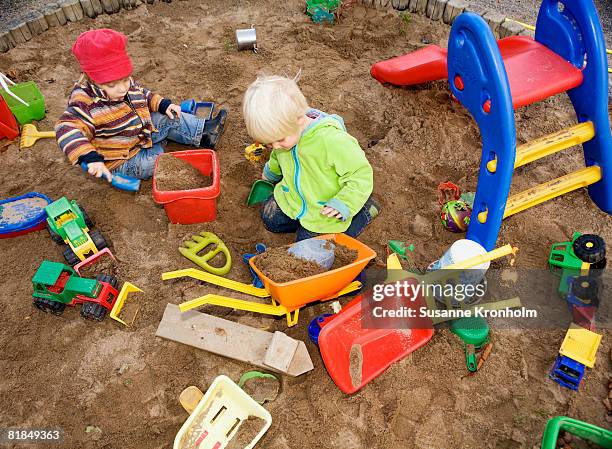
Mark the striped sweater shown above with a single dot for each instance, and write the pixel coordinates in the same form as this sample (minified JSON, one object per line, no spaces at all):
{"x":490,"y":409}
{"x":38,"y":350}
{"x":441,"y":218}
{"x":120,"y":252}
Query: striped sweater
{"x":117,"y":130}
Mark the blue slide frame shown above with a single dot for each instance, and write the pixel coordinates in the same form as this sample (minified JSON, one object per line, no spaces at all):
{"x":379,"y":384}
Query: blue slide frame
{"x":478,"y":79}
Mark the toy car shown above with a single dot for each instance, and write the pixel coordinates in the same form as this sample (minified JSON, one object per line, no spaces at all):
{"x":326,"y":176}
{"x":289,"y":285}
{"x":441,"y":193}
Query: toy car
{"x":68,"y":223}
{"x":57,"y":285}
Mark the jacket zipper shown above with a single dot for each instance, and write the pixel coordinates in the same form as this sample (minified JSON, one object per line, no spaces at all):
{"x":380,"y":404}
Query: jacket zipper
{"x":296,"y":181}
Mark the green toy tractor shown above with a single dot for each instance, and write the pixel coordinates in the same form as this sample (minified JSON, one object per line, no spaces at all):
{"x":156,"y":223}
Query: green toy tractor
{"x":68,"y":223}
{"x":584,"y":255}
{"x":57,"y":285}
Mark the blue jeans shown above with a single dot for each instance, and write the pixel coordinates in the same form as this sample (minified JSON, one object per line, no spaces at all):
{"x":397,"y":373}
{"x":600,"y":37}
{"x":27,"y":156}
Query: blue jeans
{"x":186,"y":129}
{"x":275,"y":220}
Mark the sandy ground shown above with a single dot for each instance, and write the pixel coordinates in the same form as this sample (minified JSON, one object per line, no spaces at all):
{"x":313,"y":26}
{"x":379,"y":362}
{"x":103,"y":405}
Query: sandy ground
{"x":66,"y":372}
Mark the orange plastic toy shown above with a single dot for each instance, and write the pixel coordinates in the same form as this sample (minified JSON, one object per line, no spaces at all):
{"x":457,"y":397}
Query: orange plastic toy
{"x":296,"y":294}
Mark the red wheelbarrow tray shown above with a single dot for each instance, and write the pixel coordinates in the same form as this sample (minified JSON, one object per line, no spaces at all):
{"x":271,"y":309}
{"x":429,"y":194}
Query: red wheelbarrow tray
{"x":300,"y":292}
{"x":380,"y":348}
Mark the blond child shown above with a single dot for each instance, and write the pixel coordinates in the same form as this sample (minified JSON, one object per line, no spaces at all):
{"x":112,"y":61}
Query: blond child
{"x":323,"y":179}
{"x":112,"y":124}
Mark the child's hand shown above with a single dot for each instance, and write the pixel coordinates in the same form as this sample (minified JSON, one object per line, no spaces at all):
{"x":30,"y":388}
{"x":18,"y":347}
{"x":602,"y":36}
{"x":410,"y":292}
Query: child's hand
{"x":98,"y":169}
{"x":173,"y":111}
{"x":331,"y":212}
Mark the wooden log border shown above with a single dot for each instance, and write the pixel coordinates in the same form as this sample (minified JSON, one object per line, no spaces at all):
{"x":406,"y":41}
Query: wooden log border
{"x":447,"y":11}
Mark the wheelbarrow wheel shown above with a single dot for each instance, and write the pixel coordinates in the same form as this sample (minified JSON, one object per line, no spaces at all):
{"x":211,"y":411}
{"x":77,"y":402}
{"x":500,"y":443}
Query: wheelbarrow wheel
{"x":93,"y":311}
{"x":54,"y":235}
{"x":98,"y":240}
{"x":112,"y":280}
{"x":71,"y":258}
{"x":589,"y":248}
{"x":88,"y":221}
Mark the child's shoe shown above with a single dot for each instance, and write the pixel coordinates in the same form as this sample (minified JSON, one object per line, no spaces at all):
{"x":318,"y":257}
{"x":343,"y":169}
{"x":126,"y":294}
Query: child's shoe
{"x":373,"y":207}
{"x":213,"y":129}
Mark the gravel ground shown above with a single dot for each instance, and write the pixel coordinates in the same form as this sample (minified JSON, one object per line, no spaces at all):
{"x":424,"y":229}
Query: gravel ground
{"x":12,"y":9}
{"x":527,"y":11}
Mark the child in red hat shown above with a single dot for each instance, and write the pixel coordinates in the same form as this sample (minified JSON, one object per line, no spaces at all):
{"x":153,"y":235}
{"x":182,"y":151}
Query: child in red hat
{"x":114,"y":125}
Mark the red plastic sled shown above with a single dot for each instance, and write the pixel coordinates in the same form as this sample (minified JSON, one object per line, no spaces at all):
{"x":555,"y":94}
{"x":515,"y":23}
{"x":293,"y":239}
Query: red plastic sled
{"x":534,"y":71}
{"x":344,"y":341}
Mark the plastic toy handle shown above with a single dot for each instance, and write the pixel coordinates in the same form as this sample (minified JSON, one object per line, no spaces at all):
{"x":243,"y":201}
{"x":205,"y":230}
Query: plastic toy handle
{"x":190,"y":398}
{"x":197,"y":243}
{"x":258,"y":375}
{"x":470,"y":357}
{"x":477,"y":260}
{"x":581,"y":429}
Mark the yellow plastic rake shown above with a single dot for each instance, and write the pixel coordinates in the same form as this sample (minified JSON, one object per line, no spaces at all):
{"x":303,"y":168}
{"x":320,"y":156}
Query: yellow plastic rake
{"x":29,"y":135}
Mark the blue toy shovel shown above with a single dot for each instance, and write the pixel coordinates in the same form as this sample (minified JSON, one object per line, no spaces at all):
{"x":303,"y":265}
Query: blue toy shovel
{"x":120,"y":181}
{"x":259,"y":248}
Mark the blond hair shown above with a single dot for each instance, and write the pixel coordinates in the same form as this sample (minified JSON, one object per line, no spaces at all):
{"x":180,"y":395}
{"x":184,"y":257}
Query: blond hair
{"x":272,"y":106}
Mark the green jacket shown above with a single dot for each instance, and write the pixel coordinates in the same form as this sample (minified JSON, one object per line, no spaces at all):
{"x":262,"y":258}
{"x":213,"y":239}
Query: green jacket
{"x":327,"y":167}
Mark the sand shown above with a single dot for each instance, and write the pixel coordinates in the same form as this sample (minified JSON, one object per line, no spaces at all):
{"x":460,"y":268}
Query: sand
{"x":173,"y":173}
{"x":21,"y":210}
{"x":262,"y":388}
{"x":280,"y":266}
{"x":246,"y":432}
{"x":356,"y":365}
{"x":67,"y":372}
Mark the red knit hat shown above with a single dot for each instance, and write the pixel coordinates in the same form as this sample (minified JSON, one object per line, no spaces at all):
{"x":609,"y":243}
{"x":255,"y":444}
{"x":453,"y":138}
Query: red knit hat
{"x":102,"y":56}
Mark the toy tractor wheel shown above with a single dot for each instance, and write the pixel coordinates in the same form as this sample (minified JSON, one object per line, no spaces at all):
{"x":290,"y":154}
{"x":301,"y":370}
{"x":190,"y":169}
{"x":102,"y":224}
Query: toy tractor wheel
{"x":54,"y":235}
{"x":112,"y":280}
{"x":71,"y":258}
{"x":55,"y":307}
{"x":586,"y":289}
{"x":98,"y":240}
{"x":88,"y":222}
{"x":589,"y":248}
{"x":93,"y":311}
{"x":40,"y":304}
{"x":597,"y":269}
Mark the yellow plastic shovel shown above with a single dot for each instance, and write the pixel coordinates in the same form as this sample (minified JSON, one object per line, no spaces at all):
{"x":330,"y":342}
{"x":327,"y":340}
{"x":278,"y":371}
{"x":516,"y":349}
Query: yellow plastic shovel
{"x":127,"y":288}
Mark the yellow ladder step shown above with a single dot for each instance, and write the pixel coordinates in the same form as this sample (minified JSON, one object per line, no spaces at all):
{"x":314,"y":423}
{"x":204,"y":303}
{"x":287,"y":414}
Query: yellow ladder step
{"x":552,"y":189}
{"x":550,"y":144}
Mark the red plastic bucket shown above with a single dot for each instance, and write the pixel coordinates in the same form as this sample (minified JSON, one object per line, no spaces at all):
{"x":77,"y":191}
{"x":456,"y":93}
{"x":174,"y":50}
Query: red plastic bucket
{"x":8,"y":124}
{"x":191,"y":206}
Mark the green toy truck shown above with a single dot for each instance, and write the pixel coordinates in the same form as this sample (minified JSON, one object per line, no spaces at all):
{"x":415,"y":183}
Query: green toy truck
{"x":68,"y":223}
{"x":57,"y":285}
{"x":584,"y":255}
